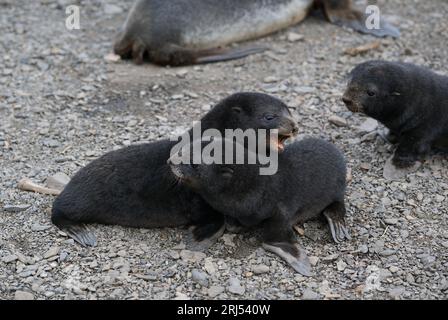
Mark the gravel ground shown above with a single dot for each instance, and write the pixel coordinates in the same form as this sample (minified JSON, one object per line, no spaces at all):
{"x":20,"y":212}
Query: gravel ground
{"x":62,"y":105}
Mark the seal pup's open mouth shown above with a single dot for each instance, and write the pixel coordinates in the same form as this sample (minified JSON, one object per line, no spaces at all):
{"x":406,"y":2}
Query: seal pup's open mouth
{"x":282,"y":139}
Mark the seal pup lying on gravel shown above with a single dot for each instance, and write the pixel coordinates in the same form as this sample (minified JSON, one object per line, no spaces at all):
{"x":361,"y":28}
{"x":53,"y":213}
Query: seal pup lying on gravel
{"x":411,"y":101}
{"x":135,"y":187}
{"x":183,"y":32}
{"x":310,"y":183}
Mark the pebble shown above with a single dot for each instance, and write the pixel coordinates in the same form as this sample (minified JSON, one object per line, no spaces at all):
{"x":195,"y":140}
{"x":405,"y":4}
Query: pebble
{"x":293,"y":37}
{"x":391,"y":221}
{"x":259,"y":269}
{"x":39,"y":227}
{"x":214,"y":291}
{"x":338,"y":121}
{"x":309,"y":294}
{"x":16,"y":207}
{"x":199,"y":277}
{"x":235,"y":287}
{"x":192,"y":256}
{"x":112,"y":9}
{"x":58,"y":181}
{"x":23,"y":295}
{"x":10,"y":258}
{"x":51,"y":252}
{"x":368,"y":125}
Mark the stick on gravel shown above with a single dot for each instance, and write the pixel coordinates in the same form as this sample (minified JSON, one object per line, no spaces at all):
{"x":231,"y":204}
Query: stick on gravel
{"x":26,"y":184}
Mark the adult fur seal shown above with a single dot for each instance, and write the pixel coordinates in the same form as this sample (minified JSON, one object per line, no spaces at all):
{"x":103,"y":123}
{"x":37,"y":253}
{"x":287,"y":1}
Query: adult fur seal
{"x":310,"y":183}
{"x":411,"y":101}
{"x":183,"y":32}
{"x":134,"y":186}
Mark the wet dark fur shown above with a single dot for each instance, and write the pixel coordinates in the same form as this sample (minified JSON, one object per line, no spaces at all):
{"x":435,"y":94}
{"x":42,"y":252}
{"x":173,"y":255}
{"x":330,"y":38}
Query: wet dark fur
{"x":411,"y":101}
{"x":134,"y":186}
{"x":310,"y":181}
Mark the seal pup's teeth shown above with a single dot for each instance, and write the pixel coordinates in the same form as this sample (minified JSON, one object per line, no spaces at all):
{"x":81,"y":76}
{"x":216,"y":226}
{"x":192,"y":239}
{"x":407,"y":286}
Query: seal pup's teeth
{"x":299,"y":262}
{"x":194,"y":244}
{"x":82,"y":235}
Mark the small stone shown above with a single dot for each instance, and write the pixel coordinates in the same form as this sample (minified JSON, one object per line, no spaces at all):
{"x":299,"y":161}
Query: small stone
{"x":387,"y":252}
{"x":391,"y":221}
{"x":58,"y":181}
{"x":313,"y":260}
{"x":199,"y":277}
{"x":368,"y":126}
{"x":304,"y":89}
{"x":112,"y":57}
{"x":293,"y":37}
{"x":395,"y":293}
{"x":23,"y":295}
{"x":209,"y":266}
{"x":338,"y":121}
{"x":16,"y":207}
{"x":309,"y":294}
{"x":38,"y":227}
{"x":10,"y":258}
{"x":393,"y":269}
{"x":341,"y":265}
{"x":174,"y":254}
{"x":270,"y":79}
{"x":192,"y":256}
{"x":214,"y":291}
{"x":235,"y":287}
{"x":51,"y":252}
{"x":261,"y":268}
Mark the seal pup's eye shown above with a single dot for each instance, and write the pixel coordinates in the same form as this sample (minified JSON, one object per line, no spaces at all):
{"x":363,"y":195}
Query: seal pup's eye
{"x":269,"y":116}
{"x":226,"y":172}
{"x":370,"y":93}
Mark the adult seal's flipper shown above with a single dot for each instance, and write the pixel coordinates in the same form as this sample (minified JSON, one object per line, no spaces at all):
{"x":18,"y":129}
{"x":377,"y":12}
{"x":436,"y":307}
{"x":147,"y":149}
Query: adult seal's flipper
{"x":293,"y":254}
{"x":342,"y":13}
{"x":216,"y":55}
{"x":202,"y":244}
{"x":81,"y":234}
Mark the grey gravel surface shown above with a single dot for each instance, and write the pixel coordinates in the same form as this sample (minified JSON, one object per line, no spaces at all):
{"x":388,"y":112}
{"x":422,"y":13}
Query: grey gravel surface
{"x":62,"y":104}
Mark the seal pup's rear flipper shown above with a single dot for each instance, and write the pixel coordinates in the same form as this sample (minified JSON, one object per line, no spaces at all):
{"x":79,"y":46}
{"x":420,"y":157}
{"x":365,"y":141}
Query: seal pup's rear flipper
{"x":201,"y":238}
{"x":81,"y":234}
{"x":335,"y":214}
{"x":216,"y":55}
{"x":293,"y":254}
{"x":342,"y":13}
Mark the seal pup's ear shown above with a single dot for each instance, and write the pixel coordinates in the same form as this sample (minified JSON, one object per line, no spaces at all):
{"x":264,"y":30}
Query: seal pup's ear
{"x":293,"y":254}
{"x":236,"y":109}
{"x":343,"y":13}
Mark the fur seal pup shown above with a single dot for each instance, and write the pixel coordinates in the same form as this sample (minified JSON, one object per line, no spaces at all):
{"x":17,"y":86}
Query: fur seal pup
{"x":310,"y":183}
{"x":134,"y":186}
{"x":411,"y":101}
{"x":184,"y":32}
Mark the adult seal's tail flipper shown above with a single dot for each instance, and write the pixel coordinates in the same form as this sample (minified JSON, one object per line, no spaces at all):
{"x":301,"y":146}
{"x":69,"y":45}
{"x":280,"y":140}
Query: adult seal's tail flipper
{"x":343,"y":13}
{"x":81,"y":234}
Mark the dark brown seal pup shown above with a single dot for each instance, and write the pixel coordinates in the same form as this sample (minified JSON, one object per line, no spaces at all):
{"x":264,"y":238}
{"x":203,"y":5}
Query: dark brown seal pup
{"x":183,"y":32}
{"x":134,"y":186}
{"x":411,"y":101}
{"x":309,"y":183}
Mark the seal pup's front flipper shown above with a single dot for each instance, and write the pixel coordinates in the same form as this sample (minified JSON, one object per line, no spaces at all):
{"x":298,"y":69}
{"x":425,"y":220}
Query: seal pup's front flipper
{"x":343,"y":13}
{"x":208,"y":237}
{"x":293,"y":254}
{"x":335,"y":215}
{"x":81,"y":234}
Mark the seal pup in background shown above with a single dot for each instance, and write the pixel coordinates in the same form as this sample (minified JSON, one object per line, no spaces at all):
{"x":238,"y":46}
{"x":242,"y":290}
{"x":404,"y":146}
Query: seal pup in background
{"x":184,"y":32}
{"x":134,"y":186}
{"x":411,"y":101}
{"x":309,"y":183}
